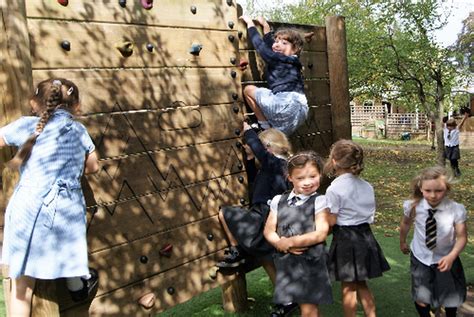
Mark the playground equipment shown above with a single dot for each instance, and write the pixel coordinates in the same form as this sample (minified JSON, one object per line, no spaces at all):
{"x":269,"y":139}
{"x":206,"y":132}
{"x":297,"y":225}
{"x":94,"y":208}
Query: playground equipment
{"x":160,"y":84}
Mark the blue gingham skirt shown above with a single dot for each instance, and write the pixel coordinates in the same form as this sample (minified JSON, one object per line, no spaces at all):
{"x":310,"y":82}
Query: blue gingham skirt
{"x":285,"y":111}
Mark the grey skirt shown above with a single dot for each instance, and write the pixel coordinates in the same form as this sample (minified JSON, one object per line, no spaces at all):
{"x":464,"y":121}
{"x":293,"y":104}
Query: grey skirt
{"x":246,"y":225}
{"x":430,"y":286}
{"x":355,"y":255}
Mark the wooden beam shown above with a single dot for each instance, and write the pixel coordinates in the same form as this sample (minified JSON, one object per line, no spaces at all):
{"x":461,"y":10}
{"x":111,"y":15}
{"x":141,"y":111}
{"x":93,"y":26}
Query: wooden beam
{"x":338,"y":77}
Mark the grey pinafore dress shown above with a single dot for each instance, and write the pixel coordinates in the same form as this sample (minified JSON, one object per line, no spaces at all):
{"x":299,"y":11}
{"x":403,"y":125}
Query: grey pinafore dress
{"x":302,"y":279}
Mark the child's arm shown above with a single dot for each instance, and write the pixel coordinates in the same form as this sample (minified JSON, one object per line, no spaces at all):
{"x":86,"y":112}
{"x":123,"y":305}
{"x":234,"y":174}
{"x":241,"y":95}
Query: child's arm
{"x":270,"y":229}
{"x":446,"y":262}
{"x":405,"y":226}
{"x":266,"y":27}
{"x":322,"y":220}
{"x":92,"y":163}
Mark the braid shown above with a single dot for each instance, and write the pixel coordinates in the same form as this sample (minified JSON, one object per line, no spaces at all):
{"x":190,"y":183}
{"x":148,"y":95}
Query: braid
{"x":52,"y":103}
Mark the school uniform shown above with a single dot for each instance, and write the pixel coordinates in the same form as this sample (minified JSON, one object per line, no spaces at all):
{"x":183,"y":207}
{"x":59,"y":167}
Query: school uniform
{"x":304,"y":278}
{"x":45,"y":220}
{"x":451,"y":144}
{"x":429,"y":285}
{"x":284,"y":102}
{"x":246,"y":224}
{"x":354,"y":254}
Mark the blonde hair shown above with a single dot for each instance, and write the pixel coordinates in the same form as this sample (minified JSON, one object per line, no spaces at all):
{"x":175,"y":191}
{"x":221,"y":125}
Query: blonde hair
{"x":430,"y":173}
{"x":345,"y":155}
{"x":49,"y":95}
{"x":277,"y":141}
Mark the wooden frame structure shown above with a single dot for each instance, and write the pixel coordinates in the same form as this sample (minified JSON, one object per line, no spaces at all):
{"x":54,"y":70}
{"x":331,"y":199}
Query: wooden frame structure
{"x":161,"y":98}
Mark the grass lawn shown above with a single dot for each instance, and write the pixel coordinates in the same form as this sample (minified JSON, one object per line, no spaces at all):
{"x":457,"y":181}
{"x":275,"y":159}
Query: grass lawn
{"x":390,"y":165}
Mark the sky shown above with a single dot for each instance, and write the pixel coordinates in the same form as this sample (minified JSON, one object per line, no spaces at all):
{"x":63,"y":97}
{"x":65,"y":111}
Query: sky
{"x":446,"y":36}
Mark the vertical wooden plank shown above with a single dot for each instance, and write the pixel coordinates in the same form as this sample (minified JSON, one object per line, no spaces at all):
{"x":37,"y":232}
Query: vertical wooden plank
{"x":234,"y":294}
{"x":338,"y":77}
{"x":45,"y":301}
{"x":15,"y":87}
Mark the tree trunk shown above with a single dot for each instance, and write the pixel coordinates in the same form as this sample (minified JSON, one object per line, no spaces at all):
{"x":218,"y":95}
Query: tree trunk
{"x":440,"y":124}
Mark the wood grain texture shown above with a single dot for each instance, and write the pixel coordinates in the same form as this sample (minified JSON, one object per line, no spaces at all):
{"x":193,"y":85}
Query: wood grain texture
{"x":94,"y":45}
{"x":110,"y":90}
{"x":210,"y":14}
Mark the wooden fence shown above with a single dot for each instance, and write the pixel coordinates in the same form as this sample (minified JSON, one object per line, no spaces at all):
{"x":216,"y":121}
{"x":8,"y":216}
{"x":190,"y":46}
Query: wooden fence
{"x":161,"y":98}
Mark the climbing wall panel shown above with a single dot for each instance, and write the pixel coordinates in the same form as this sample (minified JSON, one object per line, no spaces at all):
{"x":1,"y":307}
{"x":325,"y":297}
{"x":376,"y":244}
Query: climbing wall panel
{"x":118,"y":90}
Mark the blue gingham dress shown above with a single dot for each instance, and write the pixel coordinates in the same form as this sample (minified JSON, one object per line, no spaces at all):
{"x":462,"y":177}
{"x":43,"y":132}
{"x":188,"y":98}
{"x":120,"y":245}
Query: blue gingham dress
{"x":45,"y":220}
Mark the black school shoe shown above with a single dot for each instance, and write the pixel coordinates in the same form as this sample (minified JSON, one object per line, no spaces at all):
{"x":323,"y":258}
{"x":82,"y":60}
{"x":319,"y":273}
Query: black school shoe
{"x":283,"y":309}
{"x":234,"y":257}
{"x":89,"y":287}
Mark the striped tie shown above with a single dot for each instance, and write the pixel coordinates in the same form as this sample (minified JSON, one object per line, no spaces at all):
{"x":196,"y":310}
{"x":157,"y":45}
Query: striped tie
{"x":431,"y":229}
{"x":293,"y":201}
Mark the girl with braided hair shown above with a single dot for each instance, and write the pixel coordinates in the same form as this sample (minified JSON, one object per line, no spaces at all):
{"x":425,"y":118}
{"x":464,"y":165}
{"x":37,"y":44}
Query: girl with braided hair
{"x":354,"y":255}
{"x":45,"y":221}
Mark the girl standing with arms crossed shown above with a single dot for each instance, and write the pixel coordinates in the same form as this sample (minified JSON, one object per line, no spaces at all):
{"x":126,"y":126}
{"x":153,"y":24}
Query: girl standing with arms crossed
{"x":440,"y":236}
{"x":45,"y":220}
{"x":297,"y":226}
{"x":354,"y":255}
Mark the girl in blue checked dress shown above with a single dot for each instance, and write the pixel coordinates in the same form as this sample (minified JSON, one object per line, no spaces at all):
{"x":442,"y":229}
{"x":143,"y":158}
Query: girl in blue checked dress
{"x":45,"y":220}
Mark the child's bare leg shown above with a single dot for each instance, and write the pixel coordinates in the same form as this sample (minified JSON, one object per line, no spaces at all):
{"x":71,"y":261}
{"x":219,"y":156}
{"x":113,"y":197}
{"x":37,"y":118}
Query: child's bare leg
{"x":309,"y":310}
{"x":249,"y":95}
{"x":269,"y":267}
{"x":229,"y":235}
{"x":366,"y":299}
{"x":21,"y":296}
{"x":349,"y":298}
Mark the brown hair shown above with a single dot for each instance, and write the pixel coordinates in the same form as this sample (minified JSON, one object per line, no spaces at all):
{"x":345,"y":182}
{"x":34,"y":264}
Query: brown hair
{"x":430,"y":173}
{"x":276,"y":141}
{"x":300,"y":159}
{"x":345,"y":155}
{"x":49,"y":95}
{"x":451,"y":123}
{"x":292,"y":36}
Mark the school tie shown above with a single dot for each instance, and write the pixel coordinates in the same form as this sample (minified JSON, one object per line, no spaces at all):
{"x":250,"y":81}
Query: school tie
{"x":293,"y":201}
{"x":431,"y":229}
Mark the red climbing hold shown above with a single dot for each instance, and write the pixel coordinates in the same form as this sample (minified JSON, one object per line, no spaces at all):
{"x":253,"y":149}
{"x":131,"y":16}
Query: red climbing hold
{"x":147,"y":4}
{"x":63,"y":2}
{"x":243,"y":64}
{"x":166,"y":250}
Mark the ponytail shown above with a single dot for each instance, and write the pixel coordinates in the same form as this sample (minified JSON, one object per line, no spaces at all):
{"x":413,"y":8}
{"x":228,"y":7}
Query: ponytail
{"x":52,"y":103}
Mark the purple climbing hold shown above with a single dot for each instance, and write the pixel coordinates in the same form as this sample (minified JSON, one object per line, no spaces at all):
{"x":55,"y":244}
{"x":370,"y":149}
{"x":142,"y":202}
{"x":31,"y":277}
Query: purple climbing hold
{"x":63,"y":2}
{"x":147,"y":4}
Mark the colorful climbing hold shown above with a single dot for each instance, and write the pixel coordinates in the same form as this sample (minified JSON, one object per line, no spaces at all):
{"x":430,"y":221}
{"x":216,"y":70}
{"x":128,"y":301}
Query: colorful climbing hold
{"x":150,"y":47}
{"x":195,"y":49}
{"x":231,"y":38}
{"x":170,"y":290}
{"x":243,"y":64}
{"x":233,"y":60}
{"x":166,"y":250}
{"x":237,"y":131}
{"x":147,"y":301}
{"x":229,"y":2}
{"x":235,"y":96}
{"x":66,"y":45}
{"x":231,"y":24}
{"x":63,"y":2}
{"x":242,"y":201}
{"x":210,"y":236}
{"x":233,"y":74}
{"x":147,"y":4}
{"x":144,"y":259}
{"x":193,"y":9}
{"x":238,"y":145}
{"x":241,"y":179}
{"x":240,"y":166}
{"x":123,"y":3}
{"x":235,"y":109}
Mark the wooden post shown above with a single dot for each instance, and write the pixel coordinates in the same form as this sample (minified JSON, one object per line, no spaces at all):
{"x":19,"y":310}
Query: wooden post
{"x":234,"y":294}
{"x":45,"y":301}
{"x":338,"y":77}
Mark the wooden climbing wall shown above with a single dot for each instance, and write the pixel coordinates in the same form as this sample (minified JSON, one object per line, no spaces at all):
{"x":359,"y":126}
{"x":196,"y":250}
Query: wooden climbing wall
{"x":166,"y":125}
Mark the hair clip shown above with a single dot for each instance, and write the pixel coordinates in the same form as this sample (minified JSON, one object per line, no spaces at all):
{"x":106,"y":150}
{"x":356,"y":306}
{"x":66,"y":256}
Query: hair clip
{"x":70,"y":90}
{"x":36,"y":91}
{"x":57,"y":82}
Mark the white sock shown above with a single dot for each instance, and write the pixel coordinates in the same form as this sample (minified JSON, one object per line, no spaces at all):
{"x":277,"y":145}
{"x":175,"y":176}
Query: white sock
{"x":74,"y":283}
{"x":264,"y":124}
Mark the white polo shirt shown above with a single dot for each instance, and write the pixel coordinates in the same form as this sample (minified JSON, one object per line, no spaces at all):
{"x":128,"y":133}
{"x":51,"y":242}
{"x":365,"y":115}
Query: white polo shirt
{"x":320,"y":202}
{"x":352,"y":199}
{"x":447,"y":215}
{"x":453,"y":138}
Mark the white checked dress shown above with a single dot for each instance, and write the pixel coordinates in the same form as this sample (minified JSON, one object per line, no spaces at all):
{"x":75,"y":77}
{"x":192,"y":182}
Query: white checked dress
{"x":45,"y":220}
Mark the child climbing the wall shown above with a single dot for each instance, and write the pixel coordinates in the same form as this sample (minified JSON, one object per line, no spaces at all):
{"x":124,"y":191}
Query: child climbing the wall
{"x":283,"y":105}
{"x":451,"y":143}
{"x":45,"y":220}
{"x":440,"y":235}
{"x":297,"y":227}
{"x":244,"y":227}
{"x":354,"y":255}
